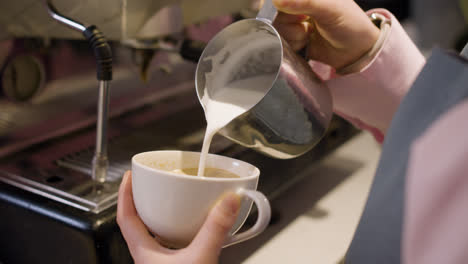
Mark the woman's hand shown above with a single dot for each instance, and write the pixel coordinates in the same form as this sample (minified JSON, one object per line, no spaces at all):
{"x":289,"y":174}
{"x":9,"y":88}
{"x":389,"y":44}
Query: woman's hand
{"x":335,"y":32}
{"x":205,"y":247}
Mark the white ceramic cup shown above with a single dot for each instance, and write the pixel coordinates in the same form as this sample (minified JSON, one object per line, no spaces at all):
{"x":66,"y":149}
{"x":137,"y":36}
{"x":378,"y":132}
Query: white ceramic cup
{"x":174,"y":206}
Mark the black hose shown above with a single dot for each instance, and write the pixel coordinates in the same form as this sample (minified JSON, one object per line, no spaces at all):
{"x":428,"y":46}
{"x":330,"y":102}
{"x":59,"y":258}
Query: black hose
{"x":102,"y":52}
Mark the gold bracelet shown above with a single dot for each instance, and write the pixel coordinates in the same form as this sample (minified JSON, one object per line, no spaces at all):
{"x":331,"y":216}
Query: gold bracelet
{"x":383,"y":24}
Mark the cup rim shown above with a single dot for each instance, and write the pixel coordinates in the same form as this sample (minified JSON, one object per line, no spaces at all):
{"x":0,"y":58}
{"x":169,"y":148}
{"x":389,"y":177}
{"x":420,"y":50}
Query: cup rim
{"x":256,"y":173}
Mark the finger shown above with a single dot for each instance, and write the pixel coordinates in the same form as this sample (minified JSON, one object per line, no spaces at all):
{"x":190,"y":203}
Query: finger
{"x":220,"y":220}
{"x":298,"y":45}
{"x":133,"y":229}
{"x":293,"y":32}
{"x":307,"y":7}
{"x":288,"y":18}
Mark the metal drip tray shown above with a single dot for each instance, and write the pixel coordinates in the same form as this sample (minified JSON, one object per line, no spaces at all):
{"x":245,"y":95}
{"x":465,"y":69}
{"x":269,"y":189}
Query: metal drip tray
{"x":70,"y":182}
{"x":82,"y":162}
{"x":87,"y":195}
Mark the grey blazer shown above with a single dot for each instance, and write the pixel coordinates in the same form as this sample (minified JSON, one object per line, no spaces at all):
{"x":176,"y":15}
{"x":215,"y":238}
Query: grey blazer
{"x":442,"y":84}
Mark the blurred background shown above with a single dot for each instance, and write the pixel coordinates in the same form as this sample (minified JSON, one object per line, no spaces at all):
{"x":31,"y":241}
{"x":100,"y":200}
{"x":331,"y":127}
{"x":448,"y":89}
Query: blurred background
{"x":53,"y":211}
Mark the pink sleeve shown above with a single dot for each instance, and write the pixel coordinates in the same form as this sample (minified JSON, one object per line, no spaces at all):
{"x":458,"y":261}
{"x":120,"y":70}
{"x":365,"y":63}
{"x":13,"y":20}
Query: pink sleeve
{"x":370,"y":98}
{"x":435,"y":227}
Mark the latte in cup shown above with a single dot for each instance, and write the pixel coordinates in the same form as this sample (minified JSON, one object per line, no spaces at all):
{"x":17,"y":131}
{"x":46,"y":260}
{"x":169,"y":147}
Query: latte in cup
{"x":209,"y":172}
{"x":173,"y":204}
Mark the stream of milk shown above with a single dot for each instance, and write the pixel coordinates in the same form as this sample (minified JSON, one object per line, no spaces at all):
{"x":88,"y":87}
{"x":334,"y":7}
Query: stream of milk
{"x":227,"y":103}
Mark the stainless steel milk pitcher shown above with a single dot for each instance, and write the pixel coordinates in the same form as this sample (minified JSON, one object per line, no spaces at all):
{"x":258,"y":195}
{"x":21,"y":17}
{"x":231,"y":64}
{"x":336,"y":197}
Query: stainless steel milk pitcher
{"x":296,"y":108}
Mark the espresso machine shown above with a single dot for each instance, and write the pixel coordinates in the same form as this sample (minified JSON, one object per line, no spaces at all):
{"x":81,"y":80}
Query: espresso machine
{"x":67,"y":137}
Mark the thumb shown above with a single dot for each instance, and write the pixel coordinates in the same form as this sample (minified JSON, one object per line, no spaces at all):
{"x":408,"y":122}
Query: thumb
{"x":219,"y":222}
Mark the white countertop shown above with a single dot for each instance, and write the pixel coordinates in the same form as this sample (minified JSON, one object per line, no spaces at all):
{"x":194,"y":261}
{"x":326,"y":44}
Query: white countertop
{"x":319,"y":231}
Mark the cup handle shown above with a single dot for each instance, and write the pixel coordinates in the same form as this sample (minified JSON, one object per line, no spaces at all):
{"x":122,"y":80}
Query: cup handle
{"x":264,"y":215}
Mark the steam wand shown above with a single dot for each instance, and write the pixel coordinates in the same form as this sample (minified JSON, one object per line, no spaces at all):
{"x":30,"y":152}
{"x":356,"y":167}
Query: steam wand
{"x":103,"y":54}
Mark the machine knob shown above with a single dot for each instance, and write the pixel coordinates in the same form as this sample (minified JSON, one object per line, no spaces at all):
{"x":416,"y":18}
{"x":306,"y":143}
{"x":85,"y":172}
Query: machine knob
{"x":23,"y":77}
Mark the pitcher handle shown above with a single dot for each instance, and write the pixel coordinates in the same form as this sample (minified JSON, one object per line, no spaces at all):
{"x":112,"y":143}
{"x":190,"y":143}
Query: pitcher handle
{"x":268,"y":12}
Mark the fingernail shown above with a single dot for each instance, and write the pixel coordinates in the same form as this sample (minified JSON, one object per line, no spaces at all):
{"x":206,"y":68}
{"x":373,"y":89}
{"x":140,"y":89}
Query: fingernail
{"x":231,"y":201}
